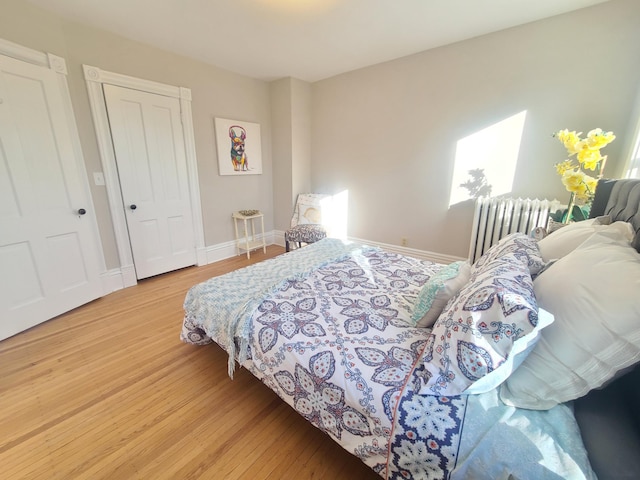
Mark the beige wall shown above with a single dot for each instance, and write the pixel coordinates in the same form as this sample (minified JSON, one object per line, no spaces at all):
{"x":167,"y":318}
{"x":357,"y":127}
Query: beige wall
{"x":282,"y":151}
{"x":291,"y":129}
{"x":388,"y":133}
{"x":215,"y":93}
{"x":301,"y":136}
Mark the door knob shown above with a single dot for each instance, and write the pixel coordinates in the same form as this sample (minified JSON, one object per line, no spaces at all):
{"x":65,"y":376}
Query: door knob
{"x":82,"y":211}
{"x":133,"y":206}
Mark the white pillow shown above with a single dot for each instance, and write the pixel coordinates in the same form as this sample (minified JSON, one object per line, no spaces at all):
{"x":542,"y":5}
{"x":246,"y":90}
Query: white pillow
{"x":309,"y":214}
{"x":593,"y":294}
{"x":435,"y":294}
{"x":306,"y":199}
{"x":565,"y":240}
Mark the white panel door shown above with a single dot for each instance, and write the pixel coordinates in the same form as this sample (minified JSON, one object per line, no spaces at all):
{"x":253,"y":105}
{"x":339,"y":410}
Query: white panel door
{"x":150,"y":153}
{"x":49,"y":250}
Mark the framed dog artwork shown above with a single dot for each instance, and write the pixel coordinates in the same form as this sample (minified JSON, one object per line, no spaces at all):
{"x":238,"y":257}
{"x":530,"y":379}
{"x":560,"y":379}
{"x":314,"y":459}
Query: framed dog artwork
{"x":239,"y":147}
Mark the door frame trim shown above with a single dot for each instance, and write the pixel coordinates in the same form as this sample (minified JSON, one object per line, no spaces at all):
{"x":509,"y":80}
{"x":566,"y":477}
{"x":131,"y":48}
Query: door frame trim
{"x":94,"y":79}
{"x":34,"y":57}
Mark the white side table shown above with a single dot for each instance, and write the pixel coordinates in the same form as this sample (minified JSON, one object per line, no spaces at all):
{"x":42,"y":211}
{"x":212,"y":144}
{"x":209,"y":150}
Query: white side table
{"x":249,"y":242}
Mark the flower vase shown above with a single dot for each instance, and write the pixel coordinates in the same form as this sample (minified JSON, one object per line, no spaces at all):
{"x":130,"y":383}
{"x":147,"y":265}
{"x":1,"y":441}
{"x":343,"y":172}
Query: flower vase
{"x":569,"y":215}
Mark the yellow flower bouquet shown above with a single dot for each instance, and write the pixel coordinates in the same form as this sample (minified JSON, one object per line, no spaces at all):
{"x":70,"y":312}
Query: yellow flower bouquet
{"x":587,"y":156}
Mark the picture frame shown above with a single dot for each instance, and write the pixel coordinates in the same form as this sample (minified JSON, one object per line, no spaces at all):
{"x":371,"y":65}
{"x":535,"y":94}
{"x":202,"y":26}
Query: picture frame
{"x":239,"y":147}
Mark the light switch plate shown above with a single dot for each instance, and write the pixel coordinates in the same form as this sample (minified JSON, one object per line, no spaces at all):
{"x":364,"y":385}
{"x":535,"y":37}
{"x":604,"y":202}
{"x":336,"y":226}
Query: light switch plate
{"x":98,"y":178}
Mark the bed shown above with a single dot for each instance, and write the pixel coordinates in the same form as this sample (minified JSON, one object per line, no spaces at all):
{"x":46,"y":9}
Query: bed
{"x":430,"y":371}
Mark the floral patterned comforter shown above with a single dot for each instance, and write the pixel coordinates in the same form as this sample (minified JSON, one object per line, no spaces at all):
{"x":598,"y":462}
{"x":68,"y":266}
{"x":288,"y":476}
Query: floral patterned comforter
{"x":336,"y":343}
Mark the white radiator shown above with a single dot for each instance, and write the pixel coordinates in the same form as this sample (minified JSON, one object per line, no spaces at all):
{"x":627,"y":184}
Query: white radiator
{"x":495,"y":218}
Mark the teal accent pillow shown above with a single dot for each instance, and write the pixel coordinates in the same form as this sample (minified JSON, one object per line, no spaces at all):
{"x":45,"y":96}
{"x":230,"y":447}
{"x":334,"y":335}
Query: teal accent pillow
{"x":435,"y":294}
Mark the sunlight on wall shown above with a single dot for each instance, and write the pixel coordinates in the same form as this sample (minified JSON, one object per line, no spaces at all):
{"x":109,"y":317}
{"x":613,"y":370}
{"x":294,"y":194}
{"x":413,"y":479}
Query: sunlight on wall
{"x":633,"y":170}
{"x":486,"y":161}
{"x":335,"y":214}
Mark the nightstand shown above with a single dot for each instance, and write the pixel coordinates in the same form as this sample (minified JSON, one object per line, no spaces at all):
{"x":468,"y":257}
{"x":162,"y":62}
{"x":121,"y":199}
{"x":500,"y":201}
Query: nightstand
{"x":249,"y":242}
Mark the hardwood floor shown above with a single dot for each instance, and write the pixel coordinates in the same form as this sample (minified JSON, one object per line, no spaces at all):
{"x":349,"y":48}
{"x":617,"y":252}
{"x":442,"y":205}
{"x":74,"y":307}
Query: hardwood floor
{"x":108,"y":391}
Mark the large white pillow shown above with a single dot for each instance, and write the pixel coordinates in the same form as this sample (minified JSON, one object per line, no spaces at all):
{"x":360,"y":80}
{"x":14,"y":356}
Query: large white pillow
{"x":565,"y":240}
{"x":593,"y":294}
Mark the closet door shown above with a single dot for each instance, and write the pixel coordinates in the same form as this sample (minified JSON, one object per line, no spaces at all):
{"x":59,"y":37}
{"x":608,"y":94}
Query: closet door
{"x":149,"y":146}
{"x":50,"y":257}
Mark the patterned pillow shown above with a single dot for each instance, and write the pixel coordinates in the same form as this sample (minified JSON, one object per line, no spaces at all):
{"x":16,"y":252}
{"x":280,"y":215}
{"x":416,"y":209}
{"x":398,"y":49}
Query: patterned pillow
{"x":435,"y":294}
{"x":307,"y":199}
{"x":485,"y":331}
{"x":309,"y":214}
{"x":519,"y":245}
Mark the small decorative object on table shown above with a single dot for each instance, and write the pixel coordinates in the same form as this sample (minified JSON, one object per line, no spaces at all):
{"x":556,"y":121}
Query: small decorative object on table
{"x":581,"y":186}
{"x":248,"y":213}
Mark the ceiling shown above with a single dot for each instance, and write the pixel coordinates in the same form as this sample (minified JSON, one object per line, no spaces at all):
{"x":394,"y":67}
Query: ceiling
{"x":306,"y":39}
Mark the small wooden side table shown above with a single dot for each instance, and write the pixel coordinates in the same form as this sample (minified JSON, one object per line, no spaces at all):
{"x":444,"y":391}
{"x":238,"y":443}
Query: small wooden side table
{"x":249,"y":242}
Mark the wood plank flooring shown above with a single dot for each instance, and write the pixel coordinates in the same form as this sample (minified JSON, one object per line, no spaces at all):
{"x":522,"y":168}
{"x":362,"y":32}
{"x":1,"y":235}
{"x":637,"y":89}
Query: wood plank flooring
{"x":108,"y":391}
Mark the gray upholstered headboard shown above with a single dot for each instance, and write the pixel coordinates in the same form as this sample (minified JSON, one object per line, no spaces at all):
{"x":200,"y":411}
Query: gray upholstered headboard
{"x":609,"y":418}
{"x":620,"y":199}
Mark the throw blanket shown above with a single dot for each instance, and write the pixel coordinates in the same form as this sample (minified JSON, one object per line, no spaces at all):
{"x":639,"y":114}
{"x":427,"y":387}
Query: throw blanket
{"x":221,"y":307}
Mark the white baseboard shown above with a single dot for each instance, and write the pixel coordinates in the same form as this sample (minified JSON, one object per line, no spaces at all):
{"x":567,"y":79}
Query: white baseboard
{"x":118,"y":278}
{"x":278,"y":237}
{"x":125,"y":276}
{"x":411,"y":252}
{"x":129,"y":278}
{"x":201,"y":256}
{"x":111,"y":281}
{"x":222,"y":251}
